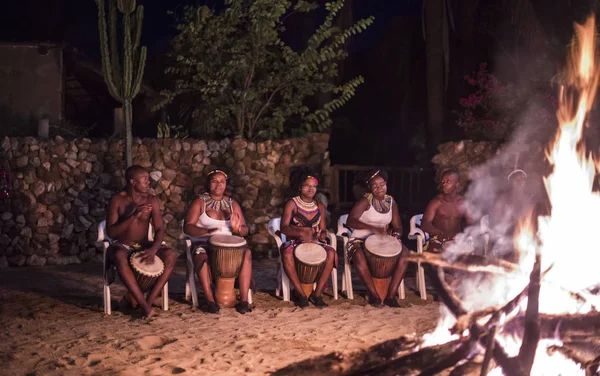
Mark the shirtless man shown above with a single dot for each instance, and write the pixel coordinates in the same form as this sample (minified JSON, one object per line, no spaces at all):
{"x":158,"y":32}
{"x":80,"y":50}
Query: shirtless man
{"x":129,"y":213}
{"x":446,"y":214}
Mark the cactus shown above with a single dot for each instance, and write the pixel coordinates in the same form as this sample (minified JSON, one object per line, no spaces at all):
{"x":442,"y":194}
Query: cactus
{"x":123,"y":82}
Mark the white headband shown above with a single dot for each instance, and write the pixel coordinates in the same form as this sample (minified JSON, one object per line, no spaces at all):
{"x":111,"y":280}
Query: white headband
{"x":516,"y":172}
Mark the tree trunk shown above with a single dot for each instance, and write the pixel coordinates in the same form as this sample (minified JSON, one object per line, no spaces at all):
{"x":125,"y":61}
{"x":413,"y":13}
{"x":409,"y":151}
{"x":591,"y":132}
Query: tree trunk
{"x":118,"y":122}
{"x":128,"y":133}
{"x":435,"y":72}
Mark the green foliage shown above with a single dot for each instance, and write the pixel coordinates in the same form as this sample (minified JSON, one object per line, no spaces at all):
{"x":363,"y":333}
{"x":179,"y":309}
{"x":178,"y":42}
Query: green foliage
{"x":123,"y":80}
{"x":232,"y":73}
{"x":165,"y":130}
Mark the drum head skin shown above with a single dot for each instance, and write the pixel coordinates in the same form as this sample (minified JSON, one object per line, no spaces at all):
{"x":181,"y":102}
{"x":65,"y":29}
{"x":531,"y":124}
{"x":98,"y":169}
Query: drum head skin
{"x":150,"y":270}
{"x":383,"y":245}
{"x":227,"y":241}
{"x":310,"y":253}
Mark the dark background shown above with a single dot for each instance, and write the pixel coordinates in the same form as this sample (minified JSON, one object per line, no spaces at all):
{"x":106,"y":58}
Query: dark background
{"x":387,"y":118}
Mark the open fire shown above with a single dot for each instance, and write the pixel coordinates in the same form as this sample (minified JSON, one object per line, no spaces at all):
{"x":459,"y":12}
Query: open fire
{"x":517,"y":321}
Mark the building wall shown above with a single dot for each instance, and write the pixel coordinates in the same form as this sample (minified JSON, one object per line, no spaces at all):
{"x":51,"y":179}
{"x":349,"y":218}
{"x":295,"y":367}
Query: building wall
{"x":31,"y":86}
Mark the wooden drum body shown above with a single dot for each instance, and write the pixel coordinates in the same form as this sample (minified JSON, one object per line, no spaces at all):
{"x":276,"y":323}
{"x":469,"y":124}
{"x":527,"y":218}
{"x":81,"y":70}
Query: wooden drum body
{"x":309,"y":259}
{"x":226,"y":255}
{"x":382,"y":253}
{"x":146,"y":275}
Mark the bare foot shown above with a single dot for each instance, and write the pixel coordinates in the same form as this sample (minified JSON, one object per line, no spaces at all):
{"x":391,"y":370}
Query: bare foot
{"x":147,"y":312}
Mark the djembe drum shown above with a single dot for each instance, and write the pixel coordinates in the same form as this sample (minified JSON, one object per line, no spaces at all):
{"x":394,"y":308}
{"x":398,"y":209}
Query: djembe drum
{"x":309,"y":260}
{"x":146,"y":275}
{"x":226,"y":255}
{"x":382,"y":253}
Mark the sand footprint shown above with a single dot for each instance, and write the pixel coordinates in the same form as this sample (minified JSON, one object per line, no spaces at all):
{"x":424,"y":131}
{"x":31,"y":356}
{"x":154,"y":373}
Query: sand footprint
{"x":154,"y":342}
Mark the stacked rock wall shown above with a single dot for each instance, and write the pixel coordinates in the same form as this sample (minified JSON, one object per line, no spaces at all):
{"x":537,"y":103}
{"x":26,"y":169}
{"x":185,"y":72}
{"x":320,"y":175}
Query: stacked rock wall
{"x":463,"y":156}
{"x":61,"y":188}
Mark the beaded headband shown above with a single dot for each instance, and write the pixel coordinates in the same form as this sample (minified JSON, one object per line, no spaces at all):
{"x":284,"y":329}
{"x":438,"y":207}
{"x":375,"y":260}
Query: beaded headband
{"x":516,"y":172}
{"x":312,"y":177}
{"x":217,"y":171}
{"x":372,"y":176}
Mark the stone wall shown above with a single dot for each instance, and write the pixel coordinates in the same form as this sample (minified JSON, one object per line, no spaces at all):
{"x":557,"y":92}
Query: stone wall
{"x":61,"y":188}
{"x":463,"y":155}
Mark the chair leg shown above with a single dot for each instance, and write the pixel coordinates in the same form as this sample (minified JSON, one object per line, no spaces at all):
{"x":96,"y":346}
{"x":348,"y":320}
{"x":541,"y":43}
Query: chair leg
{"x":250,"y":296}
{"x":165,"y":297}
{"x":348,"y":275}
{"x":285,"y":286}
{"x":107,"y":307}
{"x":279,"y":281}
{"x":343,"y":281}
{"x":334,"y":282}
{"x":401,"y":293}
{"x":191,"y":281}
{"x":421,"y":279}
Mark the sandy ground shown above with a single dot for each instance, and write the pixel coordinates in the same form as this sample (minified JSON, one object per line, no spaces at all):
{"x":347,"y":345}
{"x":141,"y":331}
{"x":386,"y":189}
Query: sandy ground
{"x":52,"y":323}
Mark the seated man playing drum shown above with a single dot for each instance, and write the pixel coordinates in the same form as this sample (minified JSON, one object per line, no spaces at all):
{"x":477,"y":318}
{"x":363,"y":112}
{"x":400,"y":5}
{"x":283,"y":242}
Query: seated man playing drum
{"x":445,"y":215}
{"x":214,"y":213}
{"x":303,"y":222}
{"x":127,"y":222}
{"x":376,"y":213}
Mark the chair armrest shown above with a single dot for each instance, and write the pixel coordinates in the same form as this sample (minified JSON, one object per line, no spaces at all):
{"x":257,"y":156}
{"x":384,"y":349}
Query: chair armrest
{"x":276,"y":237}
{"x":415,"y":233}
{"x":103,"y":243}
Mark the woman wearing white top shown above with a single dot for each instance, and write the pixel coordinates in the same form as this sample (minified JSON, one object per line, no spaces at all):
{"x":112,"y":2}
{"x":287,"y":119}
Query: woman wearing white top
{"x":210,"y":214}
{"x":375,"y":213}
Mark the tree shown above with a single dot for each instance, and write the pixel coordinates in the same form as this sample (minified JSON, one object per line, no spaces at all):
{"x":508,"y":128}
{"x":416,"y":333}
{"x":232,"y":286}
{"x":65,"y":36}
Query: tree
{"x":437,"y":52}
{"x":232,"y":73}
{"x":123,"y":82}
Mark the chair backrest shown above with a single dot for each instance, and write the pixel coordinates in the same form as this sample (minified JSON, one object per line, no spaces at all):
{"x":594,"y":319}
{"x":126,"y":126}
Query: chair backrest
{"x":275,"y":228}
{"x":341,"y":227}
{"x":416,"y":220}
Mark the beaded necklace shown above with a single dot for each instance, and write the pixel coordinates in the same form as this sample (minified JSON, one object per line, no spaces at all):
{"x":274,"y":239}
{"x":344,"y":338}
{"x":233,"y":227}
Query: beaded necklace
{"x":381,"y":206}
{"x":308,"y":207}
{"x":216,"y":205}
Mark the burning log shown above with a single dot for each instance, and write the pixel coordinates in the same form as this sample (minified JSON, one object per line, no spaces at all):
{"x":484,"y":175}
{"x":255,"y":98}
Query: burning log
{"x":489,"y":349}
{"x":531,"y":337}
{"x":466,"y":263}
{"x":509,"y":365}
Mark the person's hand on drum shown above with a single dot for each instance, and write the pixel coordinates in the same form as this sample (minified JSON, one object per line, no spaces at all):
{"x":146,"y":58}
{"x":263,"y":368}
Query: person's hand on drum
{"x":236,"y":222}
{"x":147,"y":256}
{"x":322,"y":236}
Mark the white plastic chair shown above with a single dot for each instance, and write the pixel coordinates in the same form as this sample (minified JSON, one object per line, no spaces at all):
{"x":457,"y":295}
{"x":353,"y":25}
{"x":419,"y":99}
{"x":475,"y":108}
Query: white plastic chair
{"x":190,"y":279}
{"x":283,"y":282}
{"x":421,"y":237}
{"x":344,"y":233}
{"x":105,"y":241}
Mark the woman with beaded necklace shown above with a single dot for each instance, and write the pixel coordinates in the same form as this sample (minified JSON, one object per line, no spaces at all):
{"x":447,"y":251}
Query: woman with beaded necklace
{"x":373,"y":214}
{"x":303,"y":220}
{"x":215,"y":213}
